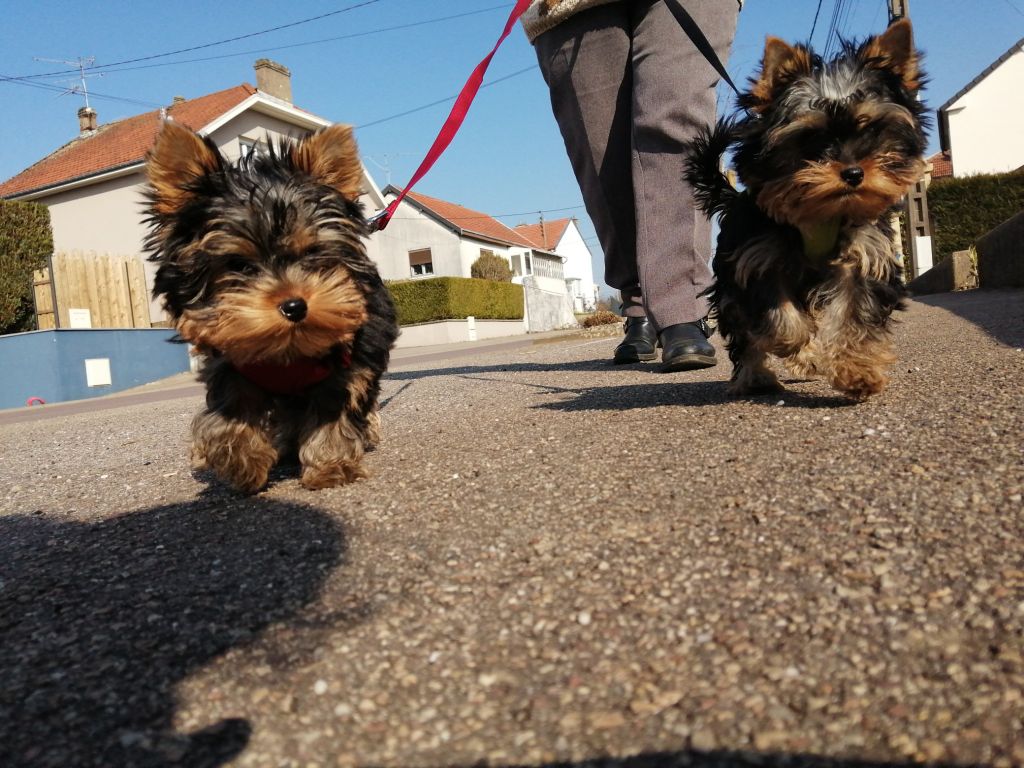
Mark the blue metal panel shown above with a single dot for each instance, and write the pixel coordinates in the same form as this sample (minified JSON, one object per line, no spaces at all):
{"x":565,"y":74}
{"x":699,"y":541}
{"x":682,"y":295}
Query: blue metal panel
{"x":51,"y":364}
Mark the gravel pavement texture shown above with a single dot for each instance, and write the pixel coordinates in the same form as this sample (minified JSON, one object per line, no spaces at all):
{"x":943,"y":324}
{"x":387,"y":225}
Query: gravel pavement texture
{"x":556,"y":562}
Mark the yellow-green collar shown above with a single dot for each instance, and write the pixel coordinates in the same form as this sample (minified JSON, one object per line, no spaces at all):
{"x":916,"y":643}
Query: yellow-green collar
{"x":820,"y":238}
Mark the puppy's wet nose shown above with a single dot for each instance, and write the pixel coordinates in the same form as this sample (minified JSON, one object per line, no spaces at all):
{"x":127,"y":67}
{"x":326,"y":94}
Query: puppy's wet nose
{"x":852,"y":175}
{"x":293,"y":309}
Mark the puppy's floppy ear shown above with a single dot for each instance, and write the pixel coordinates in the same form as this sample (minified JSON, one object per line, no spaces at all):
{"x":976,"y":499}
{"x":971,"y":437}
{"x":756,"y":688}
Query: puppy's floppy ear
{"x":894,"y":50}
{"x":178,"y":159}
{"x":331,"y":157}
{"x":781,"y":65}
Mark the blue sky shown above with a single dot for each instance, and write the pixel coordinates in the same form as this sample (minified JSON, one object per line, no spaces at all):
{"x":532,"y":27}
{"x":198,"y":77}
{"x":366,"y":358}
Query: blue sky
{"x":382,"y":58}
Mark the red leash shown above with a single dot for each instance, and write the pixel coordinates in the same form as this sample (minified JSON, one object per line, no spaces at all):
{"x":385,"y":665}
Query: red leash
{"x":453,"y":123}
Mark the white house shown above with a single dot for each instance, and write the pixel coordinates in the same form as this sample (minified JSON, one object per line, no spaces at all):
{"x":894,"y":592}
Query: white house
{"x":982,"y":126}
{"x":432,"y":237}
{"x":93,"y":185}
{"x":563,"y":238}
{"x":94,"y":188}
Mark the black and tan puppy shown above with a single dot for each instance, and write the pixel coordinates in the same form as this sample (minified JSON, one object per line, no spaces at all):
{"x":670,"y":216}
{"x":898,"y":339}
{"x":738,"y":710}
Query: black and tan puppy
{"x":805,"y":267}
{"x":262,"y":268}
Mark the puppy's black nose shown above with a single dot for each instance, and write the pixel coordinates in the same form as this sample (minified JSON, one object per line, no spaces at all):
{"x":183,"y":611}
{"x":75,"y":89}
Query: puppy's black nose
{"x":852,"y":175}
{"x":293,"y":309}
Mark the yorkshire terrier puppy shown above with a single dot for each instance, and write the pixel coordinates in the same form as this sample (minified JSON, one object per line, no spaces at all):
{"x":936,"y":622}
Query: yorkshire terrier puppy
{"x":262,"y":268}
{"x":806,"y":268}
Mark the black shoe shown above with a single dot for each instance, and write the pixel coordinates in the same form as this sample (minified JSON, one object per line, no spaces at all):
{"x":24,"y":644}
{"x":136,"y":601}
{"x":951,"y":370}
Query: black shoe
{"x":640,"y":344}
{"x":685,"y":347}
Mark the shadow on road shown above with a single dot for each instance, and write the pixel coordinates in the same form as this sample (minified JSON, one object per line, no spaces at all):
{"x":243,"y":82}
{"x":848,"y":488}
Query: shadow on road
{"x":728,"y":759}
{"x":99,"y":622}
{"x":601,"y":364}
{"x":1000,"y":313}
{"x":658,"y":390}
{"x":690,"y":393}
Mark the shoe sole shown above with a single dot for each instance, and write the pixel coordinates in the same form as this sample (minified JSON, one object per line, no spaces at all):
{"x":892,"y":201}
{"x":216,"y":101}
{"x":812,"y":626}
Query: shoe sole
{"x":689,"y":363}
{"x":645,"y":358}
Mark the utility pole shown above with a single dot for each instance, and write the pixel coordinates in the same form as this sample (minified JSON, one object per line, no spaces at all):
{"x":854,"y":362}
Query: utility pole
{"x":898,"y":9}
{"x":919,"y":233}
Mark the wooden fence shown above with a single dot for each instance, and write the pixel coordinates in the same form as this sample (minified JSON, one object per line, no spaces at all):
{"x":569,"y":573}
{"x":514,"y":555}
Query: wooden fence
{"x":112,"y":288}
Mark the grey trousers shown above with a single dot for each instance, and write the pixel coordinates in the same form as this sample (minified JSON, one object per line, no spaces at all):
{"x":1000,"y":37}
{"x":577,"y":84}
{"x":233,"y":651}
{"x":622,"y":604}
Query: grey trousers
{"x":628,"y":89}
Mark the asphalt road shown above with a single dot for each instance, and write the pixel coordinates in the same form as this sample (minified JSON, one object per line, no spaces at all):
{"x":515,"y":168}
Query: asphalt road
{"x":556,"y":562}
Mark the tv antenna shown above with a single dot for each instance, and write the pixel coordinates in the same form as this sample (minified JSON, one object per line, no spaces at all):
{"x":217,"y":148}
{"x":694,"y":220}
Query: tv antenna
{"x":82,"y":63}
{"x":386,"y":165}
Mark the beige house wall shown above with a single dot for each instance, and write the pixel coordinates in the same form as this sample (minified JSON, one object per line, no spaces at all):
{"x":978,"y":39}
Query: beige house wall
{"x":986,"y":124}
{"x":410,"y":230}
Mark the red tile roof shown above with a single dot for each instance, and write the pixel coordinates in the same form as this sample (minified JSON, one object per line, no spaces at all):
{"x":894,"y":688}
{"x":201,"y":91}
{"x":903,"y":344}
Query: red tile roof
{"x":546,"y":235}
{"x":120,"y":143}
{"x":470,"y":221}
{"x":942,"y":165}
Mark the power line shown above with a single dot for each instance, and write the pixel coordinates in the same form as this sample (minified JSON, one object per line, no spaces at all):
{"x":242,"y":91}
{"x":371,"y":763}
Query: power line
{"x":495,"y":215}
{"x":251,"y":51}
{"x":29,"y":80}
{"x":810,"y":38}
{"x":1013,"y":5}
{"x":833,"y":26}
{"x":61,"y":91}
{"x":442,"y":101}
{"x":216,"y":42}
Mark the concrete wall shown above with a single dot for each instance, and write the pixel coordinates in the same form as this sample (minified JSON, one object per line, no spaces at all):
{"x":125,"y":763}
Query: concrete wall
{"x":548,"y":305}
{"x":1001,"y":255}
{"x":986,"y":124}
{"x":52,"y":364}
{"x":454,"y":331}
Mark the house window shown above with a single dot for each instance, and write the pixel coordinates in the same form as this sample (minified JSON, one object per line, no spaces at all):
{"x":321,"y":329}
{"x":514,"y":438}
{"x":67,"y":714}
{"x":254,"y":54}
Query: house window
{"x":421,"y":262}
{"x":249,"y":148}
{"x":517,"y":265}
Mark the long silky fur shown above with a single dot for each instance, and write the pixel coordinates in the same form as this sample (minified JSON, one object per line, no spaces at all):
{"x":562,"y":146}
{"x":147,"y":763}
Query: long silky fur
{"x":802,"y":125}
{"x":285,"y":220}
{"x":703,"y":171}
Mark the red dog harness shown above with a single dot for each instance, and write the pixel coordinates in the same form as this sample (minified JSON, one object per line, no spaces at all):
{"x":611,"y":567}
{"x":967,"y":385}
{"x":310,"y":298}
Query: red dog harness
{"x":292,"y":378}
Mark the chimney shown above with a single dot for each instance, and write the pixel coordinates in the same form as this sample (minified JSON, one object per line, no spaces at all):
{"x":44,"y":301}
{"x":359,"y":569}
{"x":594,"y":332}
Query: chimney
{"x":273,"y":79}
{"x":86,"y":120}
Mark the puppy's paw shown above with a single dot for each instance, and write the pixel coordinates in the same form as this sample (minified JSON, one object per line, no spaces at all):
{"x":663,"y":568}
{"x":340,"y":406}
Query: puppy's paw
{"x":748,"y":382}
{"x":331,"y":474}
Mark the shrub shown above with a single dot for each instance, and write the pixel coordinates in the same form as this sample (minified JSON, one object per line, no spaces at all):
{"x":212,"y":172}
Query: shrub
{"x":455,"y":298}
{"x":25,"y":242}
{"x":601,"y":317}
{"x":490,"y":266}
{"x":964,"y":209}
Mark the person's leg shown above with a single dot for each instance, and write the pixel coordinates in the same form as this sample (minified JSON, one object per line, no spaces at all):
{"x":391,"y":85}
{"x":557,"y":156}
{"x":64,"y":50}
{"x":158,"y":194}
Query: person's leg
{"x":585,"y":61}
{"x":673,"y":96}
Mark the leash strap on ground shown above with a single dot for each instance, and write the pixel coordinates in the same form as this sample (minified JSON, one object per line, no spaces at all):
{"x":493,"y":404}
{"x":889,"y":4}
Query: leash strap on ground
{"x":453,"y":123}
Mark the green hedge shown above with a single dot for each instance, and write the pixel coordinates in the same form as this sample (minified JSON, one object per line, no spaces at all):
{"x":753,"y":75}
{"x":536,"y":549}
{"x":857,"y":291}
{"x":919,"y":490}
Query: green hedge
{"x":456,"y":298}
{"x":25,"y":242}
{"x":964,"y":209}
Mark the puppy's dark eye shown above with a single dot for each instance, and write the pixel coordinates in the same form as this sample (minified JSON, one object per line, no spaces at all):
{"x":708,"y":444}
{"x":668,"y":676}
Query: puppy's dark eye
{"x":243,"y":266}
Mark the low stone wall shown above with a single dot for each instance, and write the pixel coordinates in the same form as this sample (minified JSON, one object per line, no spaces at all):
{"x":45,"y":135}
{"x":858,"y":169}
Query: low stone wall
{"x":953,"y":274}
{"x":1001,"y":255}
{"x":549,"y":307}
{"x":453,"y":331}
